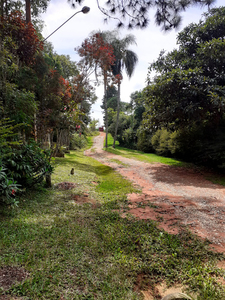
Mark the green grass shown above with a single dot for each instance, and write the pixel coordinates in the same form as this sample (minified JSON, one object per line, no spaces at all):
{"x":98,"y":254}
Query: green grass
{"x":75,"y":251}
{"x":139,"y":155}
{"x":117,"y":161}
{"x":213,"y":176}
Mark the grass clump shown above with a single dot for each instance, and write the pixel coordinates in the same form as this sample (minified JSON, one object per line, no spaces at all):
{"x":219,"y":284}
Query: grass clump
{"x":74,"y":251}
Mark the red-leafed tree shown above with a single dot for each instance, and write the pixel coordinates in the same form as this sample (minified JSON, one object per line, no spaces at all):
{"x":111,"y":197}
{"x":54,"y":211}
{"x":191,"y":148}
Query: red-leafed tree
{"x":23,"y":41}
{"x":98,"y":55}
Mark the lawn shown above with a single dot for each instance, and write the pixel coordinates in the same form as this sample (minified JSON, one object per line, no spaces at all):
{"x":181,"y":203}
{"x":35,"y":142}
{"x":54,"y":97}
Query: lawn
{"x":73,"y":249}
{"x":139,"y":155}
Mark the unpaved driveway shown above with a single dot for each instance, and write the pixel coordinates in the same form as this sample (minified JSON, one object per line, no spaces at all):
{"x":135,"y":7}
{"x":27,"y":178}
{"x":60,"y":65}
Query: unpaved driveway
{"x":171,"y":195}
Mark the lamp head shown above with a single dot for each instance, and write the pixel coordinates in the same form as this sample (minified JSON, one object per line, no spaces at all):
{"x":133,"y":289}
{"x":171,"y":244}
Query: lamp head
{"x":85,"y":9}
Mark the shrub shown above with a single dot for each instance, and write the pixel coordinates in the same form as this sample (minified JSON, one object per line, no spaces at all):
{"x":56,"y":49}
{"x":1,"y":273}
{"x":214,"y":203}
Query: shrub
{"x":28,"y":164}
{"x":160,"y":141}
{"x":8,"y":187}
{"x":144,"y":141}
{"x":78,"y":141}
{"x":129,"y":138}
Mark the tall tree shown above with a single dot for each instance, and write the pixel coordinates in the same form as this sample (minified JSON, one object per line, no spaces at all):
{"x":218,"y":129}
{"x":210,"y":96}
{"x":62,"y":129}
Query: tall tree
{"x":97,"y":53}
{"x":187,"y":97}
{"x":124,"y":59}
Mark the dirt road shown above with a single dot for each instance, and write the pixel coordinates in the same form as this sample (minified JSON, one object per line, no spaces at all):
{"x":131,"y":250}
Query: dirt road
{"x":171,"y":195}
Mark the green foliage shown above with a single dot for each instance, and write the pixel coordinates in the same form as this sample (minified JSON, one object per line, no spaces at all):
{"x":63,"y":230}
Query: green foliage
{"x":78,"y":141}
{"x":139,"y":155}
{"x":144,"y":140}
{"x":129,"y":121}
{"x":21,"y":104}
{"x":8,"y":135}
{"x":8,"y":187}
{"x":93,"y":125}
{"x":187,"y":96}
{"x":28,"y":164}
{"x":204,"y":145}
{"x":160,"y":141}
{"x":123,"y":124}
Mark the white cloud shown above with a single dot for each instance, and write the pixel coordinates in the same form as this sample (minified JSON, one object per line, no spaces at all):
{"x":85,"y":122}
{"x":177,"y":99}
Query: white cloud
{"x":150,"y":41}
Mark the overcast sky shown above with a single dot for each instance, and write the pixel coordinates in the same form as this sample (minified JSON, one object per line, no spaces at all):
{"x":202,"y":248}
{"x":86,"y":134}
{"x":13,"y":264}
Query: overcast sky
{"x":150,"y":41}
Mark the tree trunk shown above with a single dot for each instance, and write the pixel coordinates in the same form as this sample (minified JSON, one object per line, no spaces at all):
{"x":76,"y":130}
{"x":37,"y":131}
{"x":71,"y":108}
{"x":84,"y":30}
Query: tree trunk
{"x":117,"y":116}
{"x":48,"y":180}
{"x":28,"y":13}
{"x":106,"y":111}
{"x":2,"y":8}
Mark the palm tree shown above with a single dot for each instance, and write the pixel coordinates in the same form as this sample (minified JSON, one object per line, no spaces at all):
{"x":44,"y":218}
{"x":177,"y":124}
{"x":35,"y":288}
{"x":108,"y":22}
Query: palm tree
{"x":125,"y":59}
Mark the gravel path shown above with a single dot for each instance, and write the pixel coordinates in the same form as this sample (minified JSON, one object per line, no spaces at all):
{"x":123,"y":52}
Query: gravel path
{"x":173,"y":195}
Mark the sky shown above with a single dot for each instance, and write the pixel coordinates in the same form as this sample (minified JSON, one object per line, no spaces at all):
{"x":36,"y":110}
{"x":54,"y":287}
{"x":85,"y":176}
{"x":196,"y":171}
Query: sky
{"x":150,"y":41}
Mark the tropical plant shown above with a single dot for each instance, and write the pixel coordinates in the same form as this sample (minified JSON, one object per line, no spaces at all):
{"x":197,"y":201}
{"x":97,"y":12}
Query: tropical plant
{"x":28,"y":164}
{"x":126,"y":59}
{"x":8,"y":187}
{"x":98,"y":54}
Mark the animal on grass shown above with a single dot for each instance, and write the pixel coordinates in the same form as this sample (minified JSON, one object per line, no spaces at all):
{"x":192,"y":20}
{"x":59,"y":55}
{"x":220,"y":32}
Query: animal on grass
{"x":72,"y":171}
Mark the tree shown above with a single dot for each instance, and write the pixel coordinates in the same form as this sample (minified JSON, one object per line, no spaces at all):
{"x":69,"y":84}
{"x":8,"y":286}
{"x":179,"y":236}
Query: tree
{"x":124,"y":58}
{"x":167,"y":12}
{"x":93,"y":125}
{"x":98,"y":54}
{"x":187,"y":96}
{"x":34,"y":7}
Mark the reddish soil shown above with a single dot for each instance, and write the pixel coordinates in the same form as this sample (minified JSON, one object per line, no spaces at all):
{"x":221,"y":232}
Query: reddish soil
{"x":173,"y":196}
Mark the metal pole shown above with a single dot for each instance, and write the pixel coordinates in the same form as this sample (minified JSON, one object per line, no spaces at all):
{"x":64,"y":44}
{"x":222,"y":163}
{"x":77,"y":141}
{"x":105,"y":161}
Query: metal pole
{"x":84,"y":10}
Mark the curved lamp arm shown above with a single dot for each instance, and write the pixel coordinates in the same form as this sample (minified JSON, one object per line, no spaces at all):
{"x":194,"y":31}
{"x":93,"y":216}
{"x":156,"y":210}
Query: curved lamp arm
{"x":84,"y":10}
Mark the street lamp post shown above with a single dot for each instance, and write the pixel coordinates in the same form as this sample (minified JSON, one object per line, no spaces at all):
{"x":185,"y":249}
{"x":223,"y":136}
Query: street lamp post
{"x":84,"y":10}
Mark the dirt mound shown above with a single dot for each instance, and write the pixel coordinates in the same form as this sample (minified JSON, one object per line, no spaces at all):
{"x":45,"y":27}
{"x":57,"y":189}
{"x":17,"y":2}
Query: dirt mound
{"x":65,"y":185}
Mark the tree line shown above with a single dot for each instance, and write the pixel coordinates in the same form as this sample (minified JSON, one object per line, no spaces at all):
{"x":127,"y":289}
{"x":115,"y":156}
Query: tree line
{"x":180,"y":112}
{"x":45,"y":102}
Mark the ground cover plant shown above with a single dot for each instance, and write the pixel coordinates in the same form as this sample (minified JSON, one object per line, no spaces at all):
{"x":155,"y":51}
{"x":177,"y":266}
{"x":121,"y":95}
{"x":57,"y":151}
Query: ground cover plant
{"x":70,"y":242}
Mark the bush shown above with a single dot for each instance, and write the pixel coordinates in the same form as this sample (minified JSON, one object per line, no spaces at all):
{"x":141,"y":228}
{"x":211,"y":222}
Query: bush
{"x":78,"y":141}
{"x":203,"y":145}
{"x":144,"y":141}
{"x":8,"y":188}
{"x":129,"y":138}
{"x":160,"y":142}
{"x":28,"y":164}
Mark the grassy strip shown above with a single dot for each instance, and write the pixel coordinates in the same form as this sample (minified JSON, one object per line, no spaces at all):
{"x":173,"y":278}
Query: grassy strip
{"x":139,"y":155}
{"x":213,"y":176}
{"x":87,"y":251}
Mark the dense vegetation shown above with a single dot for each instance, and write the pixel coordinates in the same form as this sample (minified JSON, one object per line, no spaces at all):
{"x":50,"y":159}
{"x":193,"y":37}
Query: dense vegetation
{"x":45,"y":101}
{"x":181,"y":111}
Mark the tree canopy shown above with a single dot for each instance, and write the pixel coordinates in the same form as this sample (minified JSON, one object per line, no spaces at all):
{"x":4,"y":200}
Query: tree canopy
{"x":190,"y":86}
{"x":135,"y":14}
{"x":186,"y":96}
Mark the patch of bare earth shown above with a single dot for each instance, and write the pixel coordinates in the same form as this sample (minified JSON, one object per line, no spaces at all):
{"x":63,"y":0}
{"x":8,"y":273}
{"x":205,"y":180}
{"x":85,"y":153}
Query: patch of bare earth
{"x":63,"y":186}
{"x":9,"y":276}
{"x":84,"y":198}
